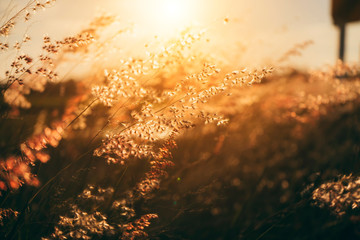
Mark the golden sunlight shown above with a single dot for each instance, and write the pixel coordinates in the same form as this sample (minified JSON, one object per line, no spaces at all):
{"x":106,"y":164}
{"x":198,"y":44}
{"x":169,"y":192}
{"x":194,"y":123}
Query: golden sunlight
{"x":140,"y":119}
{"x":172,"y":13}
{"x":169,"y":15}
{"x":173,"y":9}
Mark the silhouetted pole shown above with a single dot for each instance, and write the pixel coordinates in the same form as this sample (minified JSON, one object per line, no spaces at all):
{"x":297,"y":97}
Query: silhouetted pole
{"x":343,"y":12}
{"x":342,"y":28}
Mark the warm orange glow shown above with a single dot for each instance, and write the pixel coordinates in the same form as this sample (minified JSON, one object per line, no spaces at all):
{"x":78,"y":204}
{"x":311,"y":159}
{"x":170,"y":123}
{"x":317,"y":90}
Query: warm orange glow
{"x":172,"y":14}
{"x":173,"y":9}
{"x":164,"y":16}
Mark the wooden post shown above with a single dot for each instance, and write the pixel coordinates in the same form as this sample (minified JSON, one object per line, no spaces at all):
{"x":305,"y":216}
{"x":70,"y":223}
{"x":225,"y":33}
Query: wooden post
{"x":342,"y":28}
{"x":343,"y":12}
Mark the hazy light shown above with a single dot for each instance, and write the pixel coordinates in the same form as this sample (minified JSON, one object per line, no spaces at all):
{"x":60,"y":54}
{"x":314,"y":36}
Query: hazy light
{"x":173,"y":10}
{"x":167,"y":16}
{"x":172,"y":13}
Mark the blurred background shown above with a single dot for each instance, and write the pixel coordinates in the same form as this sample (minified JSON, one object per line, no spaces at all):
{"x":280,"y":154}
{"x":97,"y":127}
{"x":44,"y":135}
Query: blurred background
{"x":257,"y":32}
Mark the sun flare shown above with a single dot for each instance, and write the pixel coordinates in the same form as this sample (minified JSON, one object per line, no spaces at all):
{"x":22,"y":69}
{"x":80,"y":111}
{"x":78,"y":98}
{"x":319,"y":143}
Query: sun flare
{"x":174,"y":13}
{"x":173,"y":9}
{"x":168,"y":15}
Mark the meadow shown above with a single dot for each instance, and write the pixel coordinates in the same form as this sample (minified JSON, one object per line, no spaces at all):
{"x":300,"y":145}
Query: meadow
{"x":172,"y":142}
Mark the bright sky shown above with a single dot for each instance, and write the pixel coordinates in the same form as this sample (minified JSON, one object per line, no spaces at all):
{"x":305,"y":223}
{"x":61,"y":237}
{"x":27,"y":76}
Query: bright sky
{"x":265,"y":28}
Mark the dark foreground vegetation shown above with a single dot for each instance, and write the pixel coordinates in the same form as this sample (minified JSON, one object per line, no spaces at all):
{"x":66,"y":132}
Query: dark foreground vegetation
{"x":252,"y":179}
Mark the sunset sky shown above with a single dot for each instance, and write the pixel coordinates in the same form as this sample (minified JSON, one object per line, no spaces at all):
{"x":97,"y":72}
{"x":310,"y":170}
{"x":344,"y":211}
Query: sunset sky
{"x":265,"y":28}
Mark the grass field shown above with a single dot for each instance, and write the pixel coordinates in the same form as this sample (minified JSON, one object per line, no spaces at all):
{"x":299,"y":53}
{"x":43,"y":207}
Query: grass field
{"x":175,"y":145}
